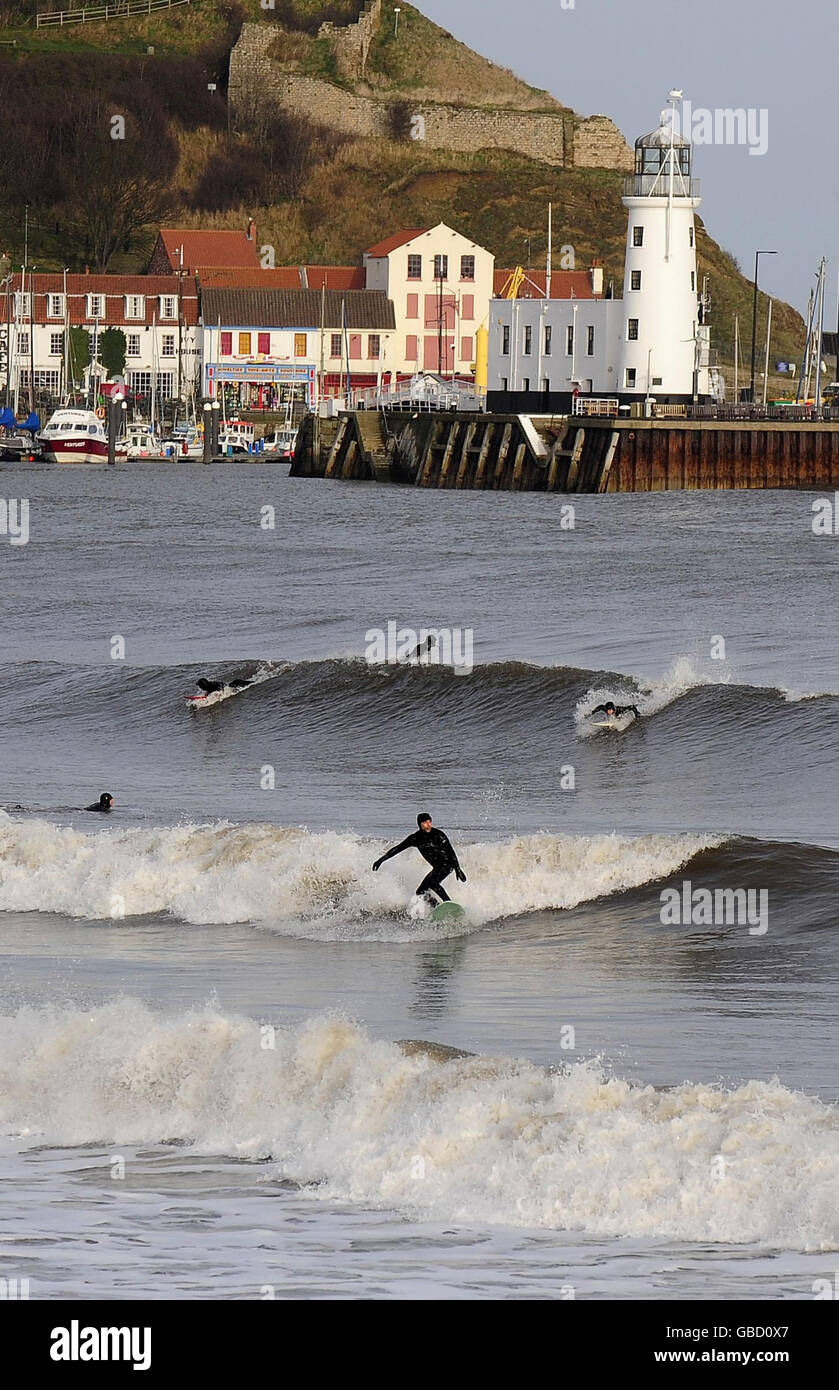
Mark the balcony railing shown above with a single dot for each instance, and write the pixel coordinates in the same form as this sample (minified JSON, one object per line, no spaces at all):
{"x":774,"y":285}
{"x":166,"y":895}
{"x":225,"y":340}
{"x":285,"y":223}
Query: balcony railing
{"x":658,"y":186}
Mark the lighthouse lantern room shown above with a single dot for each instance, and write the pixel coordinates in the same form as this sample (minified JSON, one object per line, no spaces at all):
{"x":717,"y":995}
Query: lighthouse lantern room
{"x":662,"y":339}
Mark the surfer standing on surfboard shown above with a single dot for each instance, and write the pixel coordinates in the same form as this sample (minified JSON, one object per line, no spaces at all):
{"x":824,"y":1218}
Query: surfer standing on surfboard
{"x":436,"y":849}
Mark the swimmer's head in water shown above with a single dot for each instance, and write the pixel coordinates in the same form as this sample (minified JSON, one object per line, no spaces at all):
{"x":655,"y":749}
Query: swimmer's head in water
{"x":424,"y":820}
{"x":106,"y":800}
{"x":610,"y":708}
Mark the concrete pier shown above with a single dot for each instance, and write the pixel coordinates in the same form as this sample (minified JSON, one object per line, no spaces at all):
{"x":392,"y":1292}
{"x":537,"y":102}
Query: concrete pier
{"x":568,"y":454}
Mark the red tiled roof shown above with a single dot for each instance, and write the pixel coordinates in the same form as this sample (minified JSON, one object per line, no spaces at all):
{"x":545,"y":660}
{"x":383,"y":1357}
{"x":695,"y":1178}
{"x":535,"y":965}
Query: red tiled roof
{"x":209,"y":248}
{"x":336,"y":277}
{"x":246,"y":278}
{"x":392,"y":243}
{"x":114,"y":288}
{"x":565,"y":284}
{"x":293,"y":277}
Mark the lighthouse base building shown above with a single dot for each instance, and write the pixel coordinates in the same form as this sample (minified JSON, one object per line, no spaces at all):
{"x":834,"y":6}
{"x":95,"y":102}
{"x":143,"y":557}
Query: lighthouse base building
{"x":651,"y":346}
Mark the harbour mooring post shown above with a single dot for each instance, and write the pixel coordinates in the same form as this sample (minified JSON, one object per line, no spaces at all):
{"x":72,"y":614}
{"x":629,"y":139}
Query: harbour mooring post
{"x":208,"y":432}
{"x":116,"y":405}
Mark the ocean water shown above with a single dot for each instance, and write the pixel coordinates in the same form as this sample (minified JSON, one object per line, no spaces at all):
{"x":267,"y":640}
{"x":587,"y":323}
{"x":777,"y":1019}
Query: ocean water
{"x":205,"y":998}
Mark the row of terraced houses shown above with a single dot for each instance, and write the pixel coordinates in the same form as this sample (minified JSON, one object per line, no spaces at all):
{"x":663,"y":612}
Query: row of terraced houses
{"x":209,"y":317}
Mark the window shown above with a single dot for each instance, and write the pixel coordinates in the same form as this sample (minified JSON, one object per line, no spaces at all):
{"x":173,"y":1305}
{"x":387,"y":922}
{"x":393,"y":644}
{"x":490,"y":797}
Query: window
{"x":165,"y":386}
{"x":55,"y":306}
{"x":637,"y":236}
{"x":525,"y":386}
{"x":95,"y":306}
{"x":374,"y":345}
{"x":412,"y":348}
{"x":167,"y":348}
{"x":22,"y":344}
{"x":693,"y":280}
{"x":46,"y":379}
{"x":548,"y":339}
{"x":263,"y":344}
{"x":466,"y":352}
{"x":300,"y":344}
{"x":244,"y":345}
{"x":528,"y":340}
{"x":334,"y":345}
{"x":135,"y":306}
{"x":632,"y":330}
{"x":21,"y":305}
{"x":140,"y":383}
{"x":168,"y":306}
{"x":227,"y":344}
{"x":630,"y":378}
{"x":505,"y":383}
{"x":467,"y":267}
{"x":505,"y":340}
{"x":415,"y":267}
{"x":132,"y":345}
{"x":590,"y":341}
{"x":569,"y":340}
{"x":635,"y":280}
{"x":467,"y":307}
{"x":441,"y":267}
{"x":412,"y":310}
{"x":56,"y":344}
{"x":657,"y":380}
{"x":692,"y":236}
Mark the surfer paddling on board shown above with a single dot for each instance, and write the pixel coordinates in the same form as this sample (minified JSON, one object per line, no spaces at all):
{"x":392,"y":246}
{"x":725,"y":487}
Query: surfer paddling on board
{"x":104,"y":803}
{"x":213,"y":687}
{"x":612,"y":711}
{"x":436,"y":849}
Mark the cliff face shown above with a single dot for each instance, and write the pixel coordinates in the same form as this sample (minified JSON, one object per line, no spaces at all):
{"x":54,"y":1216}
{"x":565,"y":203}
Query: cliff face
{"x":264,"y":75}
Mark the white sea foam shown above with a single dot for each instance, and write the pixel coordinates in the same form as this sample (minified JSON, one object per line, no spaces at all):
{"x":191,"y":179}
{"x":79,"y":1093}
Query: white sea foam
{"x":318,"y":885}
{"x":475,"y":1140}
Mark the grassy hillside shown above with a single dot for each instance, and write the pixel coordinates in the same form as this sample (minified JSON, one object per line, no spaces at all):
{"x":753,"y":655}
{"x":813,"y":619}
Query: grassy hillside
{"x":315,"y":196}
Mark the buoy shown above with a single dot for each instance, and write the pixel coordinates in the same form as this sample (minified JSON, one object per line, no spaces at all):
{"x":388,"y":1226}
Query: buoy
{"x":100,"y":411}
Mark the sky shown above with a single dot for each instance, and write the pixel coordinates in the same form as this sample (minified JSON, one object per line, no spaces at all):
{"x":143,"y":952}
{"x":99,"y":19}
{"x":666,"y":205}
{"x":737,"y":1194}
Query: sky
{"x":621,"y":57}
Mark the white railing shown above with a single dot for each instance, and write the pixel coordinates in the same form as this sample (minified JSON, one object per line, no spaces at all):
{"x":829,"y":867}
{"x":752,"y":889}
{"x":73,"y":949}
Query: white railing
{"x":90,"y":14}
{"x":592,"y":405}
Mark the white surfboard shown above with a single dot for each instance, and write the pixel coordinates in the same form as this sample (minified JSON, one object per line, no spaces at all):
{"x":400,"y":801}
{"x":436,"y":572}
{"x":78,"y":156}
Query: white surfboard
{"x":215,"y":697}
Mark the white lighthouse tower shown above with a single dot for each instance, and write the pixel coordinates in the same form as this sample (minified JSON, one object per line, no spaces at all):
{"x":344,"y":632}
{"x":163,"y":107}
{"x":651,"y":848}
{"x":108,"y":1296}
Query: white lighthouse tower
{"x":660,"y":345}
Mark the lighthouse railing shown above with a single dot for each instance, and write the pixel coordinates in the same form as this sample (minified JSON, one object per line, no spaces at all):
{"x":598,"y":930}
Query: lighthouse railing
{"x":655,"y":186}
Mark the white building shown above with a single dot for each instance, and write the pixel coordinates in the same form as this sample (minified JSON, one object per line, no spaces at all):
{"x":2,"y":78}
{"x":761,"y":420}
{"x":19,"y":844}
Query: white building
{"x":652,"y":343}
{"x":156,"y":317}
{"x":441,"y":286}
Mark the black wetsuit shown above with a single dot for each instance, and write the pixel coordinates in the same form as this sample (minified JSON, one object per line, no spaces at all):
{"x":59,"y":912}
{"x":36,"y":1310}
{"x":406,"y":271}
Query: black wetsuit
{"x":436,"y":849}
{"x":212,"y":687}
{"x":617,"y":710}
{"x":104,"y":807}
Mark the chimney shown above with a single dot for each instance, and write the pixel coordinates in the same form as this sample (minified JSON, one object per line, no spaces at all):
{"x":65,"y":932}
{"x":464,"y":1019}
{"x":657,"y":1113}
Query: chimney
{"x":596,"y":277}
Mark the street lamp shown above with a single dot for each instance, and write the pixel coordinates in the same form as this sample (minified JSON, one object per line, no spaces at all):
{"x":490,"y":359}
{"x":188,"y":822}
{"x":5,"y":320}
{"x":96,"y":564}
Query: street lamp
{"x":397,"y":10}
{"x":758,"y":254}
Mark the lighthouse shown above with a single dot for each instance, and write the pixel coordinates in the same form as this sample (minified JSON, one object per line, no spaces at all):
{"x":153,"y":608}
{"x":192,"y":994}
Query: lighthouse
{"x":661,"y":335}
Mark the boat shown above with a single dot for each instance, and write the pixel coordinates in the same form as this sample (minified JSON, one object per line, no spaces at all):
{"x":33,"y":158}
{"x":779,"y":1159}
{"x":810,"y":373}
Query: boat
{"x":281,"y":443}
{"x":74,"y":435}
{"x":142,"y":442}
{"x":17,"y":437}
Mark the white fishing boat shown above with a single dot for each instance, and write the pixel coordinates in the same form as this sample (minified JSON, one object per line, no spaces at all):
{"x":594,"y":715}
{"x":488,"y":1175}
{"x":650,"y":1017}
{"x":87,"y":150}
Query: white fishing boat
{"x":74,"y":435}
{"x":142,"y":442}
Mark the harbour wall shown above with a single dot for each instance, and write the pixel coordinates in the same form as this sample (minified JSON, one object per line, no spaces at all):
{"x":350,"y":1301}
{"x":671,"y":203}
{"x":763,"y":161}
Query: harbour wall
{"x":567,"y":454}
